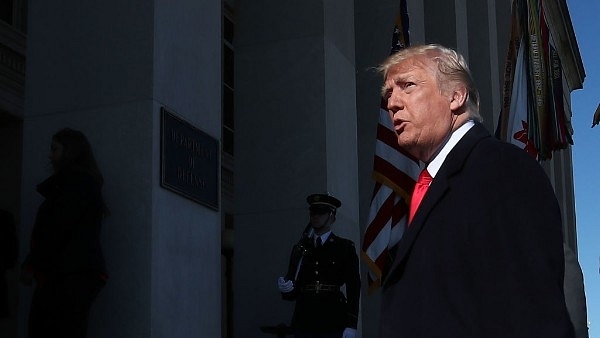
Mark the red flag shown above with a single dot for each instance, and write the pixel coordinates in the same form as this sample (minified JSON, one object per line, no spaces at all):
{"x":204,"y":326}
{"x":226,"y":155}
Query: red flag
{"x":395,"y":173}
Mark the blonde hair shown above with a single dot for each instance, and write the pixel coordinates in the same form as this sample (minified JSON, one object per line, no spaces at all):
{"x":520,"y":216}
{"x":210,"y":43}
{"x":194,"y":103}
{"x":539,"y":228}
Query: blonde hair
{"x":451,"y":68}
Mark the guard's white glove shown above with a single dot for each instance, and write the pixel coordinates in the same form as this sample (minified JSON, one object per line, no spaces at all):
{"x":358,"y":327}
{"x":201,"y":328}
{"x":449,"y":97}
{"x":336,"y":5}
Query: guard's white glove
{"x":349,"y":333}
{"x":285,"y":285}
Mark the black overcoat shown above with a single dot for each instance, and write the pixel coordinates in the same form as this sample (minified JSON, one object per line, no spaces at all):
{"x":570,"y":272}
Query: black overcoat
{"x":483,"y":256}
{"x":66,"y":234}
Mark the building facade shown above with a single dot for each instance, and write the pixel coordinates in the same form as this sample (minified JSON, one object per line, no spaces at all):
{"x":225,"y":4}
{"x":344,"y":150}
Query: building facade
{"x":289,"y":92}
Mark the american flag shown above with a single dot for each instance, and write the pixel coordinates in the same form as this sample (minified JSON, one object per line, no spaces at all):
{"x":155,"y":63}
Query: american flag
{"x":394,"y":173}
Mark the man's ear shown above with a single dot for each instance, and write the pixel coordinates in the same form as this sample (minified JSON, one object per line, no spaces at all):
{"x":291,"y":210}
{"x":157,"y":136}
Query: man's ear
{"x":458,"y":99}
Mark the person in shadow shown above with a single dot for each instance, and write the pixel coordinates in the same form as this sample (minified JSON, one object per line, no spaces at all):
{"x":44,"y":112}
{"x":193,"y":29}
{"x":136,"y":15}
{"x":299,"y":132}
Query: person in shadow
{"x":321,"y":264}
{"x":65,"y":257}
{"x":8,"y":256}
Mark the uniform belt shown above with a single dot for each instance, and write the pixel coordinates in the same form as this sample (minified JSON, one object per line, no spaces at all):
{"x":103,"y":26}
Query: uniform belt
{"x":318,"y":287}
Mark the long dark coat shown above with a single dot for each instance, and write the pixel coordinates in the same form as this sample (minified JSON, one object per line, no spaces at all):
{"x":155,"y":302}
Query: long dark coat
{"x":66,"y":235}
{"x":483,"y":256}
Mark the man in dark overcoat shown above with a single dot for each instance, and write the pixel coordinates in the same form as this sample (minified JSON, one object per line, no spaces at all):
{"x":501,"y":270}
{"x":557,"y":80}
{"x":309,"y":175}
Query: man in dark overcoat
{"x":482,"y":255}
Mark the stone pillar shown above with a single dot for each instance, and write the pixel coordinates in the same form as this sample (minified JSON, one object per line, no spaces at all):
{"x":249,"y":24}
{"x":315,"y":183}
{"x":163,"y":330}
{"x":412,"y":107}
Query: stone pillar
{"x":295,"y":135}
{"x":107,"y":68}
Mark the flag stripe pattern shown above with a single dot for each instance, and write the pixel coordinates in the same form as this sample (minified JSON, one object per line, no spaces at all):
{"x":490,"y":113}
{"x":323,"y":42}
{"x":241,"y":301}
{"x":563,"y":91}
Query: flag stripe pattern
{"x":395,"y":173}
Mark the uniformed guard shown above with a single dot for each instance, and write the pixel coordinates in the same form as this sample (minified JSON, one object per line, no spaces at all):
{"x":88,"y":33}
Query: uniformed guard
{"x":320,"y":264}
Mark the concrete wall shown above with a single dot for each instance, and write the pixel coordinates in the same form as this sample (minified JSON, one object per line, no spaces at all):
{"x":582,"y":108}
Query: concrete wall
{"x":295,"y":135}
{"x":186,"y":236}
{"x":107,"y":68}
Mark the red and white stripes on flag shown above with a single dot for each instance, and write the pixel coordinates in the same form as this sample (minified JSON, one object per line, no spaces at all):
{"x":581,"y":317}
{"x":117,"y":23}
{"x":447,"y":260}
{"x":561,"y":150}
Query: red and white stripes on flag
{"x":395,"y":174}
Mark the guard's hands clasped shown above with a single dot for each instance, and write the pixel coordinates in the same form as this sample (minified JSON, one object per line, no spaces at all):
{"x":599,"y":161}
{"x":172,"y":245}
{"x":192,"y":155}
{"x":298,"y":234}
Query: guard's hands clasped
{"x":285,"y":285}
{"x":349,"y":333}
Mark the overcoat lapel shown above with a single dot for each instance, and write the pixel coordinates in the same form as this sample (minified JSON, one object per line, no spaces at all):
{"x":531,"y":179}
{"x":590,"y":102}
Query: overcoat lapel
{"x":451,"y":166}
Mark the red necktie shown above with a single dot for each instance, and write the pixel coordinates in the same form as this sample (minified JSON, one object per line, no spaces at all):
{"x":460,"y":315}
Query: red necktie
{"x":417,"y":196}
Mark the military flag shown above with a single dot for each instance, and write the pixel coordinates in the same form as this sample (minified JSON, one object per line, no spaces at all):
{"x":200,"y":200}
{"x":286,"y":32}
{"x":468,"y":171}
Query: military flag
{"x":532,"y":114}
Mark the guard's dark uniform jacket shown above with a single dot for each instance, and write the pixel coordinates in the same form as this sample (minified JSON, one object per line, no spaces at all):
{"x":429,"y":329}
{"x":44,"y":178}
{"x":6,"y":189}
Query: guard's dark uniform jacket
{"x":320,"y":304}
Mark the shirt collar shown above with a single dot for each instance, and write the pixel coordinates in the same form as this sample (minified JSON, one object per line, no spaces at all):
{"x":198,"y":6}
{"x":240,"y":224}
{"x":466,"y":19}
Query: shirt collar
{"x":434,"y":166}
{"x":323,"y":237}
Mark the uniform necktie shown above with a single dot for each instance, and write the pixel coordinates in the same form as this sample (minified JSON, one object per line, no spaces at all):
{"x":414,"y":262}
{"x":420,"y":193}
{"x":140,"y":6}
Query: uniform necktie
{"x":319,"y":242}
{"x":417,"y":196}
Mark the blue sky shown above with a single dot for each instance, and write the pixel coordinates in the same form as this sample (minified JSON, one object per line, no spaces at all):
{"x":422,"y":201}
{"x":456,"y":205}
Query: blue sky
{"x":586,"y":160}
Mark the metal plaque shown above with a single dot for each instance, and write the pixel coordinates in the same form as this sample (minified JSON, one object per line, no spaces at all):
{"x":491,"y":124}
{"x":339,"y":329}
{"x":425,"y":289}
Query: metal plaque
{"x":189,"y":160}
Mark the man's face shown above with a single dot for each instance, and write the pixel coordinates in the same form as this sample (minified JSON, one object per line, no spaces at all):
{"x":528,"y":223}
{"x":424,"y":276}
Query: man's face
{"x":319,"y":219}
{"x":421,"y":114}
